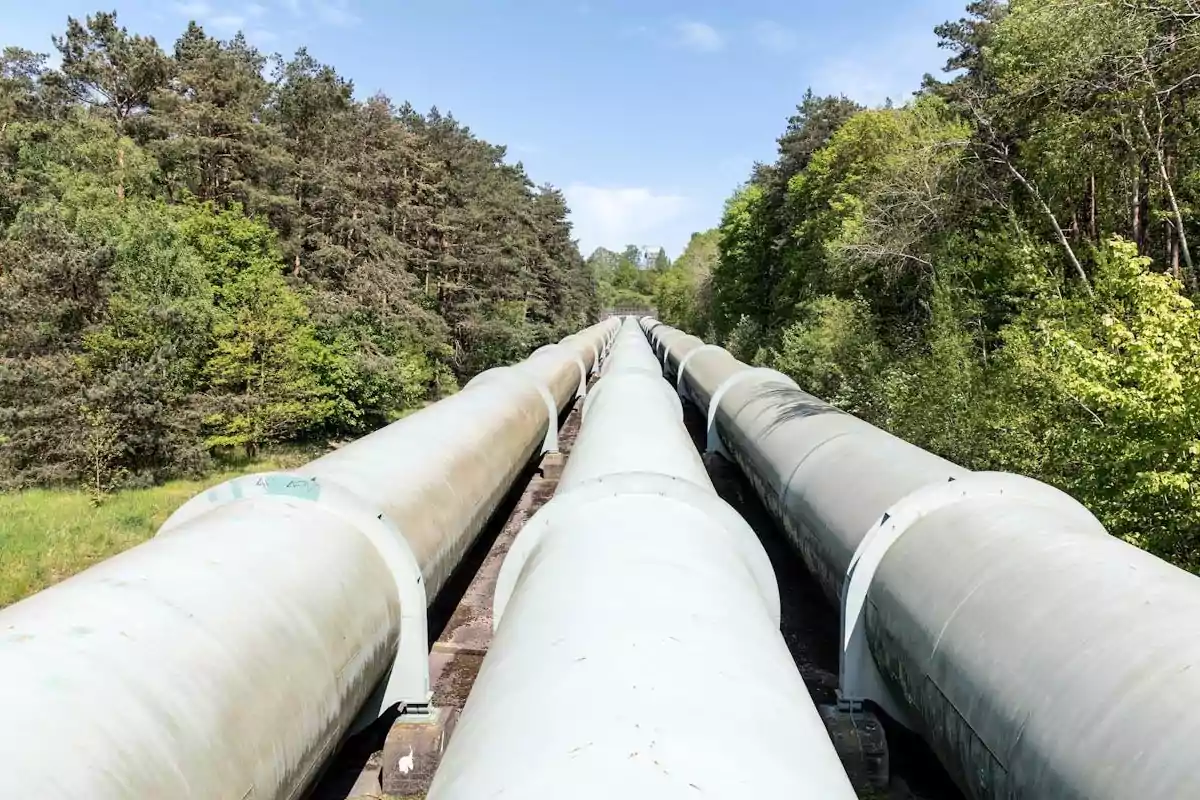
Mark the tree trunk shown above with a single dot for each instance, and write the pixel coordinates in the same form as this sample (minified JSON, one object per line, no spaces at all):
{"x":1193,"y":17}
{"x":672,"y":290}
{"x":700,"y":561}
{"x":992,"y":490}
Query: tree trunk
{"x":1139,"y":235}
{"x":1165,"y":174}
{"x":1172,"y":250}
{"x":1062,"y":236}
{"x":1093,"y":228}
{"x":121,"y":168}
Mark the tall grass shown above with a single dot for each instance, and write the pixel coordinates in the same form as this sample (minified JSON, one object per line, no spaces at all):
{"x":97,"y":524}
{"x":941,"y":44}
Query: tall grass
{"x":48,"y":535}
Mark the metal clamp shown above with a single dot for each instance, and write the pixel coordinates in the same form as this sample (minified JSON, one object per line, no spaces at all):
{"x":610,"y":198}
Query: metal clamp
{"x":714,"y":444}
{"x":408,"y":681}
{"x":609,"y":380}
{"x":629,"y":484}
{"x":511,"y":374}
{"x":859,"y":677}
{"x":683,"y":366}
{"x":578,"y":359}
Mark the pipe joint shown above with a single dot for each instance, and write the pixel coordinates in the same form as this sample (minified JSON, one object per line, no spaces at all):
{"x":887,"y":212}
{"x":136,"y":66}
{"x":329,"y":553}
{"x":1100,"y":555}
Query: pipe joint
{"x":627,"y":374}
{"x":408,"y":679}
{"x":574,"y":356}
{"x":513,"y":375}
{"x":859,"y":679}
{"x":558,"y":513}
{"x":713,"y":435}
{"x":683,"y":367}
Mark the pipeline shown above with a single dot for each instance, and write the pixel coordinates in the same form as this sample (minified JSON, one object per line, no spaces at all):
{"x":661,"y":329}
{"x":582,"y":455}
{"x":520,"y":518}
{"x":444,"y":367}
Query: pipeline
{"x":1039,"y":656}
{"x":228,"y":656}
{"x":637,"y":651}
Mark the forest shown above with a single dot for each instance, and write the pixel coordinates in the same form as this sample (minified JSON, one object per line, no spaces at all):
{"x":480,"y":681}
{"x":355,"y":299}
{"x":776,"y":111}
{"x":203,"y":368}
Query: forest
{"x":627,"y":280}
{"x":207,"y":250}
{"x":1000,"y":268}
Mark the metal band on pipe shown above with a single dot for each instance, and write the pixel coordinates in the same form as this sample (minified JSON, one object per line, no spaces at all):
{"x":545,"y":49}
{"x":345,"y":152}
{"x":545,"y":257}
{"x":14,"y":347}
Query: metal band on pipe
{"x":550,"y":443}
{"x":859,"y":677}
{"x":609,"y":380}
{"x":628,"y":484}
{"x":714,"y":444}
{"x":683,"y":366}
{"x":408,"y":682}
{"x":578,"y":359}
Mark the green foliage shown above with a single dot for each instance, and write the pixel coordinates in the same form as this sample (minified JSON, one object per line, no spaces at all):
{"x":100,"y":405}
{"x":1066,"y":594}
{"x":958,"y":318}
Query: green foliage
{"x":263,"y":372}
{"x":681,"y":294}
{"x":833,"y":351}
{"x":1115,"y":387}
{"x":628,"y":279}
{"x":742,"y":283}
{"x":196,"y":258}
{"x":142,"y":361}
{"x":999,"y":271}
{"x":745,"y":341}
{"x":48,"y":535}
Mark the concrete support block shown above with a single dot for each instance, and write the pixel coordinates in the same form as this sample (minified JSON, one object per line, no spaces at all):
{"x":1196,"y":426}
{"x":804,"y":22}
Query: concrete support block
{"x":413,"y":750}
{"x":859,"y":739}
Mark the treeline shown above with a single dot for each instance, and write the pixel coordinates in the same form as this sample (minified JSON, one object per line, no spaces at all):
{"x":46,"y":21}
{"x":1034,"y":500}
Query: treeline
{"x":627,"y":279}
{"x":1003,"y":269}
{"x":206,"y":250}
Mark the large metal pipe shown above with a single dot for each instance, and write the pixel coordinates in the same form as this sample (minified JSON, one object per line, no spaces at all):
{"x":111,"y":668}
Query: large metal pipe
{"x":229,"y":655}
{"x":637,"y":651}
{"x":1038,"y":655}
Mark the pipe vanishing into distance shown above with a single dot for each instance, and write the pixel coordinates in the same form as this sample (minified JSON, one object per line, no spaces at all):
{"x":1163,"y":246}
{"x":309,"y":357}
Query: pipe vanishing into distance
{"x":1039,"y":656}
{"x":228,"y":656}
{"x":637,"y":651}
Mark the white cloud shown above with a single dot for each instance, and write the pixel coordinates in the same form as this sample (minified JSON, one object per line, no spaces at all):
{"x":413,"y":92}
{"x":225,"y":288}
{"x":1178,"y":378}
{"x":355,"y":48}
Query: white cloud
{"x":223,"y":22}
{"x":340,"y":13}
{"x":773,"y":37}
{"x":699,"y":36}
{"x":335,"y":12}
{"x":890,"y":69}
{"x":228,"y":22}
{"x":196,"y":9}
{"x":615,"y":217}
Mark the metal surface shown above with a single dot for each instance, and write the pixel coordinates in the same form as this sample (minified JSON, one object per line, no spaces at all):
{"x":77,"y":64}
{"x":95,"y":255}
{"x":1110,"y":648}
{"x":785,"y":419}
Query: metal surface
{"x":1039,"y":656}
{"x":637,"y":651}
{"x":228,"y":656}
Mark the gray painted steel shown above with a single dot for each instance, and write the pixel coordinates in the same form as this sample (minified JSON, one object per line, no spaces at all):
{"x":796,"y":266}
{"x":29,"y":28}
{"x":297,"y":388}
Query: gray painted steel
{"x":637,"y":652}
{"x":228,"y":656}
{"x":1040,"y":657}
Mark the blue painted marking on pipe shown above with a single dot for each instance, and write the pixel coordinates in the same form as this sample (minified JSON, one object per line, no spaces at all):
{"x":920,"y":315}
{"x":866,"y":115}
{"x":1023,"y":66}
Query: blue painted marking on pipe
{"x":289,"y":486}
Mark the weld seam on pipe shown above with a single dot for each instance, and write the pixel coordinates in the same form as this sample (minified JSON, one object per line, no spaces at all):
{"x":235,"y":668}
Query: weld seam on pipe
{"x":558,"y":512}
{"x":635,"y":374}
{"x":683,"y":366}
{"x":712,"y":434}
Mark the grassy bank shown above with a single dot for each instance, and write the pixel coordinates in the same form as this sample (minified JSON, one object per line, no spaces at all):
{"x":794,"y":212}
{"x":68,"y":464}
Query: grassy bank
{"x":47,"y":535}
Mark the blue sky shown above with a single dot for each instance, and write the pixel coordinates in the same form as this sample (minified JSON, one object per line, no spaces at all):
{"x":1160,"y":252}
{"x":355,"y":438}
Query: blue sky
{"x":648,"y":114}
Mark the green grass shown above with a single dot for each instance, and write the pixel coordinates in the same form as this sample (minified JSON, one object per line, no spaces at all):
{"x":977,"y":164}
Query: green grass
{"x":47,"y":535}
